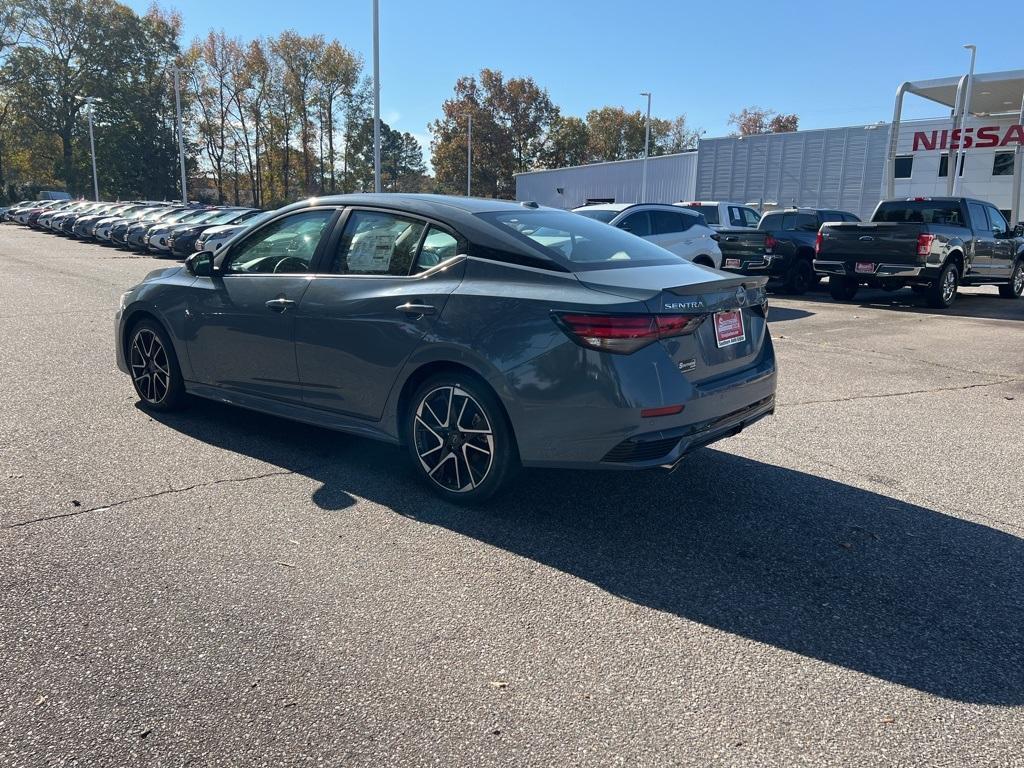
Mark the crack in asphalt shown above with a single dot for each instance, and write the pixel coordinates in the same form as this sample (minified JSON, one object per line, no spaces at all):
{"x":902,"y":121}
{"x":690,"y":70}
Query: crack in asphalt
{"x":899,"y":394}
{"x":122,"y":502}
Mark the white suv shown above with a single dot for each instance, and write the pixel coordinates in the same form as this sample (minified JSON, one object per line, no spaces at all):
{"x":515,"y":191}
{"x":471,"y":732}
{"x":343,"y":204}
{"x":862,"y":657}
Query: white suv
{"x":679,"y":230}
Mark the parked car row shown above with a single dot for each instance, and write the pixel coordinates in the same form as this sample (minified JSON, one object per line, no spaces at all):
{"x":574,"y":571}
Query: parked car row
{"x":158,"y":227}
{"x":932,"y":245}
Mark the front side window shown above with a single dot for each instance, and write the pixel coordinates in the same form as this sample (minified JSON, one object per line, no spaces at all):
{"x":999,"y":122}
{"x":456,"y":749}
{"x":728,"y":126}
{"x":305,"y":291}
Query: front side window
{"x":750,"y":217}
{"x":997,"y":223}
{"x":637,"y":223}
{"x":576,"y":242}
{"x":377,"y":243}
{"x":285,"y":246}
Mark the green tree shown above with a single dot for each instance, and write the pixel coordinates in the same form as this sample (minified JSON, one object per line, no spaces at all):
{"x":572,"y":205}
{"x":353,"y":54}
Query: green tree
{"x":568,"y":143}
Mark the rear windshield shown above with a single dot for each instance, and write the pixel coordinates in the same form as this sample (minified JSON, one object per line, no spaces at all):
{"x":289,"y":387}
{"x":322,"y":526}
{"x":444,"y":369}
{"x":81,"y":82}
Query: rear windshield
{"x":577,"y":242}
{"x":789,"y":222}
{"x":710,"y":212}
{"x":599,"y":214}
{"x":920,"y":212}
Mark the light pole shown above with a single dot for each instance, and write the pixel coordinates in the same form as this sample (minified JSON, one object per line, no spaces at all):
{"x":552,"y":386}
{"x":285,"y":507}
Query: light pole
{"x":181,"y":135}
{"x":955,"y":167}
{"x":376,"y":96}
{"x":90,"y":105}
{"x":469,"y":156}
{"x":647,"y":148}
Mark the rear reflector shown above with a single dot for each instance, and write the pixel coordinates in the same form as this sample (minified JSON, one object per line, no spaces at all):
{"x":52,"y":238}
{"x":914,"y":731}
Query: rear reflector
{"x":623,"y":334}
{"x":924,"y":244}
{"x":668,"y":410}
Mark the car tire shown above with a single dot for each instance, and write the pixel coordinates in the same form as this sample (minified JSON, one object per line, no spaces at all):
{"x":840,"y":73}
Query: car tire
{"x":843,"y":288}
{"x":942,"y":293}
{"x":799,"y":278}
{"x":704,"y":261}
{"x":153,"y":367}
{"x":1015,"y":288}
{"x":459,"y":439}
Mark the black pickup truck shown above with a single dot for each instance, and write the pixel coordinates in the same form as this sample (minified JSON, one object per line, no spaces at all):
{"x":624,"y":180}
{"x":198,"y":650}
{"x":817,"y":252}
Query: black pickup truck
{"x":932,"y":244}
{"x":782,"y":247}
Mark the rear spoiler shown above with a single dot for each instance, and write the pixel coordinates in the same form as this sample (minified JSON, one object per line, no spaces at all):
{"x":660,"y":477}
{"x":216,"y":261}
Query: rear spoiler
{"x":717,"y":286}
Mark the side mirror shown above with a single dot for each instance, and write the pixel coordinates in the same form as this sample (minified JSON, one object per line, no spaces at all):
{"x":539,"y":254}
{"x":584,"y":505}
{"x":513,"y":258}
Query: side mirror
{"x":1018,"y":231}
{"x":200,"y":264}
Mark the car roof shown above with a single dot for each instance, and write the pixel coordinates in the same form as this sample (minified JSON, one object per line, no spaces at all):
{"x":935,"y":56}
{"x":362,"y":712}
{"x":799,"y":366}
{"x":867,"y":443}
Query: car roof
{"x":422,"y":203}
{"x":620,"y":207}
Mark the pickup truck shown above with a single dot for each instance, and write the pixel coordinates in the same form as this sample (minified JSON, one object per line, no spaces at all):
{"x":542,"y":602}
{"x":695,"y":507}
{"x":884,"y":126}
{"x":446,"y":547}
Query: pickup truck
{"x":934,"y":245}
{"x":782,"y":247}
{"x":720,"y":215}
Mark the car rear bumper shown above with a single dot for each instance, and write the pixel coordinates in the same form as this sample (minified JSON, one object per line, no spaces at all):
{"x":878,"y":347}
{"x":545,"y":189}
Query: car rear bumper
{"x":880,"y":269}
{"x":756,"y":265}
{"x":610,"y":432}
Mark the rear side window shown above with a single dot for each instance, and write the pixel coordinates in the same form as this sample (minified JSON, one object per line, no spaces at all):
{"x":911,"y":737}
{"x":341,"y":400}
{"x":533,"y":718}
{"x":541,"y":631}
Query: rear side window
{"x":668,"y":222}
{"x":800,"y":221}
{"x":920,"y":212}
{"x":978,"y":218}
{"x":377,"y":243}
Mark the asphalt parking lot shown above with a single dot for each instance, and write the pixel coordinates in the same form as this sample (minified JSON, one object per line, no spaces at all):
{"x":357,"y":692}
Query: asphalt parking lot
{"x":843,"y":584}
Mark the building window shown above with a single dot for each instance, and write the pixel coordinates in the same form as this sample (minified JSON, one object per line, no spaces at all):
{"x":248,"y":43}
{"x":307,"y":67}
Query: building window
{"x":944,"y":166}
{"x":904,"y":166}
{"x":1002,"y":164}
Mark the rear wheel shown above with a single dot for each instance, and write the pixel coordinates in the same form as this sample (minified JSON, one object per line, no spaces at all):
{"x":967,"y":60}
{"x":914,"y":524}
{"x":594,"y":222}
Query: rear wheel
{"x":154,"y":368}
{"x":799,"y":278}
{"x":842,"y":288}
{"x":704,"y":261}
{"x":459,"y":439}
{"x":1015,"y":288}
{"x":942,"y":293}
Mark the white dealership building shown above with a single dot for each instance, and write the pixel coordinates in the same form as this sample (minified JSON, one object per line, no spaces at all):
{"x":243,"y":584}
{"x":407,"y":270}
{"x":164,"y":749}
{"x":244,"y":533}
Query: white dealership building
{"x":848,"y":168}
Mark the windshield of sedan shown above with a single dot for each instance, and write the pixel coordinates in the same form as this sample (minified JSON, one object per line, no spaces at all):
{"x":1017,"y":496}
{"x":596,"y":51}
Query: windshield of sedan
{"x":579,"y":243}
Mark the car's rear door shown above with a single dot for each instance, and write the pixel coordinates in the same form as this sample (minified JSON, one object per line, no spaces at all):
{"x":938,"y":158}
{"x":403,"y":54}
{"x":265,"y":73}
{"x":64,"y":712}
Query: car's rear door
{"x":241,"y":320}
{"x":384,"y":283}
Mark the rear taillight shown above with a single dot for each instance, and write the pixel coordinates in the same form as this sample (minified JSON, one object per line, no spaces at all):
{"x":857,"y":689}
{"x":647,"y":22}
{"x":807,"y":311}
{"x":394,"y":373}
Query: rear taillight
{"x":623,"y":334}
{"x":769,"y":243}
{"x":817,"y":244}
{"x":924,"y":244}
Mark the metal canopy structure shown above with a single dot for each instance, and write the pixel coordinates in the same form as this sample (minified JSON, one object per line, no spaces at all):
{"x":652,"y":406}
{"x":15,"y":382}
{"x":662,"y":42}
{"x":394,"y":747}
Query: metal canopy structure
{"x":984,"y":94}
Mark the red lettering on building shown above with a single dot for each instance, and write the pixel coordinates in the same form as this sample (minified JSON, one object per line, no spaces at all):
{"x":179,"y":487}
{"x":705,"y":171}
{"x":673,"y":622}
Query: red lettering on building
{"x":982,"y":138}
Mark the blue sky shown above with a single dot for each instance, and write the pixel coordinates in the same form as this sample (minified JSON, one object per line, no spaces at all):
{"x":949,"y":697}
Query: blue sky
{"x":833,"y":63}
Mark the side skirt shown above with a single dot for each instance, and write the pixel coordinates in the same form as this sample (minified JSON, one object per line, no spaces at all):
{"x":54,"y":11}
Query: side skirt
{"x":293,"y":411}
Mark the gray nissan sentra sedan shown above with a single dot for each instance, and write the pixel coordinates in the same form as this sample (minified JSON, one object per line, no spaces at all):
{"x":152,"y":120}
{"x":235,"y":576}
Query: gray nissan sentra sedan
{"x":484,"y":335}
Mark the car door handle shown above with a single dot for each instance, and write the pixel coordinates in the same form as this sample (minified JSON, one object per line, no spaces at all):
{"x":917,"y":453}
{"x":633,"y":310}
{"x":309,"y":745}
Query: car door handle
{"x":416,"y":309}
{"x":279,"y":305}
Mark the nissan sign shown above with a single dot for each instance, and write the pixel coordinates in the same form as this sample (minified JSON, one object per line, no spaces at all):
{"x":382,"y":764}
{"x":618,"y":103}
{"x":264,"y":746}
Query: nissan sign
{"x":980,"y":138}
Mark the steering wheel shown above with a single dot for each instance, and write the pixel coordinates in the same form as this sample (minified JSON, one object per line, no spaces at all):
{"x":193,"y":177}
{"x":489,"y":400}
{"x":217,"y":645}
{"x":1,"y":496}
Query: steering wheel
{"x":291,"y":264}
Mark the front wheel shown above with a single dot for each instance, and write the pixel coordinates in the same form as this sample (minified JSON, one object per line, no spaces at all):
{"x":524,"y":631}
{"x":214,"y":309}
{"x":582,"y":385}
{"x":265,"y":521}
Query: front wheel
{"x":842,"y":288}
{"x":459,"y":439}
{"x":1015,"y":288}
{"x":942,"y":293}
{"x":154,"y":368}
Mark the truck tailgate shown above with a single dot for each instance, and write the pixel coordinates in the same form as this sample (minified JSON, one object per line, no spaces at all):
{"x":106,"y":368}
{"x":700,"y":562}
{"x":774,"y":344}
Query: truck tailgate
{"x":869,"y":241}
{"x":743,"y":248}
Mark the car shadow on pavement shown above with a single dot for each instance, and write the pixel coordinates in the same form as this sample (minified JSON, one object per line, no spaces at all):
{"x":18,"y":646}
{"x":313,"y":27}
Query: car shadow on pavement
{"x":777,"y":314}
{"x":984,"y":306}
{"x":820,"y":568}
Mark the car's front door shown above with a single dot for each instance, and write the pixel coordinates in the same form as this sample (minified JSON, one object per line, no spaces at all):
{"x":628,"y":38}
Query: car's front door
{"x":381,"y":290}
{"x":241,"y":321}
{"x":1004,"y":246}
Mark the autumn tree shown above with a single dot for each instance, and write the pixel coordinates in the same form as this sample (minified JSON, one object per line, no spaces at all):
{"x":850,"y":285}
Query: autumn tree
{"x":752,"y":121}
{"x":511,"y":120}
{"x":568,"y":143}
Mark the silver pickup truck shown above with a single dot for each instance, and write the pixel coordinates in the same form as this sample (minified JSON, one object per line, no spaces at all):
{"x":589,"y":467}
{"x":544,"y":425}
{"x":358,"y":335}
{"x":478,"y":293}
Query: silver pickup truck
{"x":934,"y":245}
